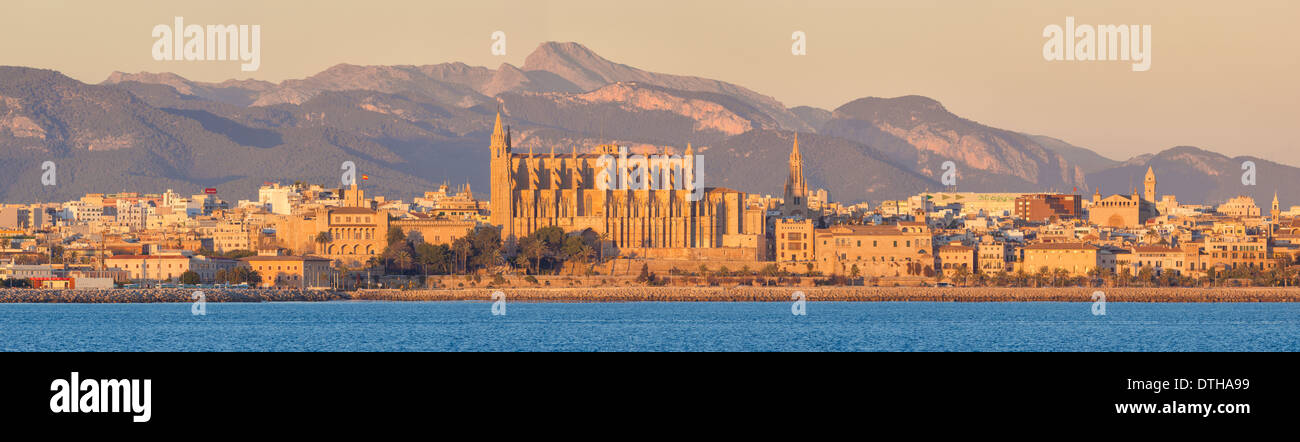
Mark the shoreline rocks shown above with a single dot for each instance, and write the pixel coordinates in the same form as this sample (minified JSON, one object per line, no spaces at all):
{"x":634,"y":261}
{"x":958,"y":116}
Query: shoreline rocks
{"x":669,"y":294}
{"x":854,"y":294}
{"x":164,"y":295}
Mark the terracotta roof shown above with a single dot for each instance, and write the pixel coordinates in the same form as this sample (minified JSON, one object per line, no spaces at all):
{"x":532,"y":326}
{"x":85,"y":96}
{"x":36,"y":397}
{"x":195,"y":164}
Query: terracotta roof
{"x":283,"y":258}
{"x":1156,"y":249}
{"x":1061,"y":246}
{"x":346,"y":210}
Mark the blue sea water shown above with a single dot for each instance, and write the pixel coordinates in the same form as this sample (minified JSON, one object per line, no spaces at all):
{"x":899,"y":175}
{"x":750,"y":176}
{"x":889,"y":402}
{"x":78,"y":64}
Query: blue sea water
{"x":651,"y":326}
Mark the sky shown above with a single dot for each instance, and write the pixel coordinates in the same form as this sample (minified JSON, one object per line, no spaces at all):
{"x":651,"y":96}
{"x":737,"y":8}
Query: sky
{"x":1223,"y":75}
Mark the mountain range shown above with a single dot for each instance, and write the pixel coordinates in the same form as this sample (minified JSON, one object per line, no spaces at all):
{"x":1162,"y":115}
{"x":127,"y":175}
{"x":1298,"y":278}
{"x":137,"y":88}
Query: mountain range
{"x":412,"y":127}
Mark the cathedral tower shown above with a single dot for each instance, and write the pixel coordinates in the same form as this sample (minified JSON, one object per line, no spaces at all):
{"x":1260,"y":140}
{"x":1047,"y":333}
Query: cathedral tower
{"x":502,"y":204}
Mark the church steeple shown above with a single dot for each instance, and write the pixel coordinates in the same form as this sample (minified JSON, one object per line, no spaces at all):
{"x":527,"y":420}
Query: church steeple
{"x":796,"y":188}
{"x":1276,"y":209}
{"x":1149,"y":185}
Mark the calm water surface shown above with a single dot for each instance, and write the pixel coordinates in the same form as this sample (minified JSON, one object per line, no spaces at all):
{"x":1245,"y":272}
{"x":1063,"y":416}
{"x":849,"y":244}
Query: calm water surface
{"x":650,"y":326}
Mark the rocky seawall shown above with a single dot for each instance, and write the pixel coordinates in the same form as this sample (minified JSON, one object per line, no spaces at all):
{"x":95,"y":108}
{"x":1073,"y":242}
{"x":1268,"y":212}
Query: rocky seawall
{"x":165,"y":295}
{"x":669,"y":294}
{"x":786,"y":294}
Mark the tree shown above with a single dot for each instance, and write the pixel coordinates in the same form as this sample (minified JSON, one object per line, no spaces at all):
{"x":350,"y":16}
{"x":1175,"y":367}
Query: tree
{"x":486,"y":247}
{"x":645,"y":276}
{"x":961,"y":276}
{"x":600,"y":247}
{"x":587,"y":253}
{"x":462,"y":249}
{"x":532,"y":250}
{"x":395,"y":235}
{"x":190,"y":277}
{"x":321,"y":239}
{"x":402,"y":259}
{"x":253,"y":278}
{"x":1060,"y":277}
{"x":1042,"y":276}
{"x":1146,"y":275}
{"x":436,"y":257}
{"x":573,"y":250}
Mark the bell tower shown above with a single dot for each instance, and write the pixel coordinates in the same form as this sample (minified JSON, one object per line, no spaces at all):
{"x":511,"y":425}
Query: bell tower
{"x":1149,"y":185}
{"x":502,"y":178}
{"x":796,"y":188}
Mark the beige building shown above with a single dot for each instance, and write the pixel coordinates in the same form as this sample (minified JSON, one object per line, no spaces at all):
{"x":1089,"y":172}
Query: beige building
{"x":1120,"y":210}
{"x":1225,"y":252}
{"x":353,"y":234}
{"x":954,"y":257}
{"x":993,"y":257}
{"x":290,"y":271}
{"x":794,"y":240}
{"x":895,"y":250}
{"x":1159,"y":259}
{"x":434,"y":230}
{"x":168,"y":267}
{"x":1240,"y":206}
{"x":1076,"y":258}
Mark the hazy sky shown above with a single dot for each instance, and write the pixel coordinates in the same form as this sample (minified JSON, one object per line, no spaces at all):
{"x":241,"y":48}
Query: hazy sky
{"x":1223,"y":74}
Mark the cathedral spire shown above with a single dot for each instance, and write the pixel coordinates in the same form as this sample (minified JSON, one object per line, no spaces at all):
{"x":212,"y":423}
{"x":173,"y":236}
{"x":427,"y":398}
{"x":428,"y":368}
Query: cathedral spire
{"x":796,"y":188}
{"x":500,"y":136}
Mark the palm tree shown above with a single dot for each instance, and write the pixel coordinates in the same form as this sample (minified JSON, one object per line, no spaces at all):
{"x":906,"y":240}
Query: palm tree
{"x":587,"y":253}
{"x":603,"y":237}
{"x":321,"y":239}
{"x":462,"y":248}
{"x":532,"y":249}
{"x":403,"y":260}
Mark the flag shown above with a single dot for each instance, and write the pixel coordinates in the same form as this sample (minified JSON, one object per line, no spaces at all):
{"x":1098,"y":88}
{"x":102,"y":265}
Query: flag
{"x":365,"y":177}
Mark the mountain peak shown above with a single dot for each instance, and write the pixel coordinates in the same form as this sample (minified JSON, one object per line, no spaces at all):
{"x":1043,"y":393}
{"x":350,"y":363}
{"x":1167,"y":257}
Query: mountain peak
{"x":871,"y":105}
{"x":563,"y":48}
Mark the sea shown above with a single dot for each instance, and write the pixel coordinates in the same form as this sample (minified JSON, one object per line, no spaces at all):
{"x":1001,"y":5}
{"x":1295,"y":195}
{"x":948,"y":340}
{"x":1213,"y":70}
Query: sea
{"x":372,"y":326}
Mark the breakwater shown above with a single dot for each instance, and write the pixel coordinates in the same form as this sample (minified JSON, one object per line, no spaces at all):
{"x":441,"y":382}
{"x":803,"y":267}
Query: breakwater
{"x":669,"y":294}
{"x":858,"y":294}
{"x":165,"y":295}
